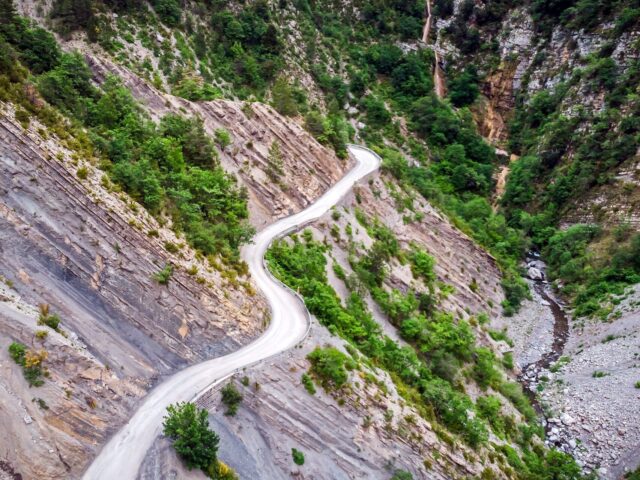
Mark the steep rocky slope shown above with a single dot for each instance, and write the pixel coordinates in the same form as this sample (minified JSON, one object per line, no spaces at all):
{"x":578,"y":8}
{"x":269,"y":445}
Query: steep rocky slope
{"x":370,"y":431}
{"x":90,"y":253}
{"x":578,"y":60}
{"x":85,"y":251}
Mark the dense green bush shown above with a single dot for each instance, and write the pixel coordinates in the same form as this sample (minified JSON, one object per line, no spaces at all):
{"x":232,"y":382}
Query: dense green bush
{"x":169,"y":11}
{"x":463,"y":88}
{"x":422,"y":265}
{"x":188,"y":427}
{"x":232,"y":398}
{"x":298,"y":456}
{"x":330,"y":366}
{"x":17,"y":352}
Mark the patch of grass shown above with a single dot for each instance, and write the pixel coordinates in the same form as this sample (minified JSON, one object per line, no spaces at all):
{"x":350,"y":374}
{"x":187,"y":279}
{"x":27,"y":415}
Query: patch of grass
{"x":308,"y":384}
{"x":501,"y":336}
{"x":163,"y":276}
{"x":51,"y":320}
{"x":82,"y":173}
{"x":599,"y":374}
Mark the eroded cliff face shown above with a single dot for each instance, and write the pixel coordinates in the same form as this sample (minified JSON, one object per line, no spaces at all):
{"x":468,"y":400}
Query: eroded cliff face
{"x":90,"y":253}
{"x":86,"y":251}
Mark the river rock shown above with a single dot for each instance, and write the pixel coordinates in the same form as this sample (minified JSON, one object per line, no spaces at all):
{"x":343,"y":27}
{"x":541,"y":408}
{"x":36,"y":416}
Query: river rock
{"x":535,"y":273}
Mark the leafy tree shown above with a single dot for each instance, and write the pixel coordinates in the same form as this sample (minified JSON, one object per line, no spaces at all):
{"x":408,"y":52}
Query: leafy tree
{"x":423,"y":264}
{"x":188,"y":427}
{"x":38,"y":49}
{"x":377,"y":114}
{"x":73,"y":14}
{"x":463,"y":89}
{"x":283,"y":98}
{"x":169,"y":11}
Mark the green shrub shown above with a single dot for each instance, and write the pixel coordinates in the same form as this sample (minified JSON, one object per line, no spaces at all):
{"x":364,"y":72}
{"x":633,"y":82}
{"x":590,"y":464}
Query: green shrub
{"x":223,"y":138}
{"x":30,"y":361}
{"x":298,"y":456}
{"x":423,"y":264}
{"x":463,"y":89}
{"x":17,"y":352}
{"x":507,"y":360}
{"x":308,"y":384}
{"x":232,"y":398}
{"x":330,"y":366}
{"x":402,"y":475}
{"x":163,"y":276}
{"x":484,"y":371}
{"x":501,"y":336}
{"x":218,"y":470}
{"x":169,"y":11}
{"x":51,"y":320}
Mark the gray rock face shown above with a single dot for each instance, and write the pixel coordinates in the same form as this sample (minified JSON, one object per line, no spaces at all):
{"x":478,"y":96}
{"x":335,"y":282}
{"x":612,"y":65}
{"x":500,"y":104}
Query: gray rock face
{"x":75,"y":246}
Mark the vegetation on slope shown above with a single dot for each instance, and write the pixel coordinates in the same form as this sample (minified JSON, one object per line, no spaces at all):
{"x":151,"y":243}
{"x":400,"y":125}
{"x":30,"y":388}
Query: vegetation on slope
{"x":428,"y":373}
{"x":171,"y":168}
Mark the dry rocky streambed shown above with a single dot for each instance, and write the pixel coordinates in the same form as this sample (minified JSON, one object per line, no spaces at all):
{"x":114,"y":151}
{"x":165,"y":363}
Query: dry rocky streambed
{"x":581,"y":374}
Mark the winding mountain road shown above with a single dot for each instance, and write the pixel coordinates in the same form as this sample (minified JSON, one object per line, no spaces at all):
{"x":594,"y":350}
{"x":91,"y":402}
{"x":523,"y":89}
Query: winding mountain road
{"x":122,"y":456}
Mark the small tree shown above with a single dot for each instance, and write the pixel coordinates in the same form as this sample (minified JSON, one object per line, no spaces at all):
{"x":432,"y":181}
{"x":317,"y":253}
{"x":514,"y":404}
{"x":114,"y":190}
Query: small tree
{"x":188,"y":427}
{"x":223,"y":138}
{"x":231,"y":397}
{"x":283,"y":98}
{"x":275,"y":166}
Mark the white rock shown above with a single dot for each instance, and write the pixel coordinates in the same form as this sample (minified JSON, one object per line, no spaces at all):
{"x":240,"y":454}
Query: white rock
{"x":535,"y":273}
{"x":567,"y":419}
{"x":27,"y":419}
